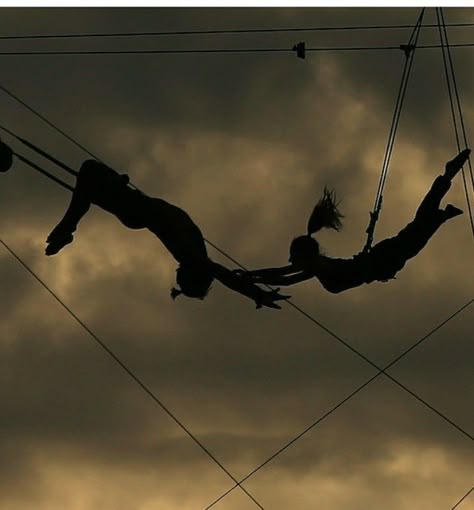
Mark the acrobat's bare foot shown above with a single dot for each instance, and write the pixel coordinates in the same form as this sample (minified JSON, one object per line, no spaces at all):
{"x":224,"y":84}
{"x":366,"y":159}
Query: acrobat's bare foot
{"x":452,"y":211}
{"x":453,"y":166}
{"x":57,"y":240}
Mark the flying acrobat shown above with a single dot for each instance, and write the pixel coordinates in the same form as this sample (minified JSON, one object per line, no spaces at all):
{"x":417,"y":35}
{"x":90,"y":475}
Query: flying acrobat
{"x":100,"y":185}
{"x":381,"y":262}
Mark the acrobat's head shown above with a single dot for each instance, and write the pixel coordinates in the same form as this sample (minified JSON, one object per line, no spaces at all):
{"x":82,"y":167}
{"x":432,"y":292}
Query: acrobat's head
{"x":303,"y":251}
{"x":6,"y":157}
{"x":194,"y":281}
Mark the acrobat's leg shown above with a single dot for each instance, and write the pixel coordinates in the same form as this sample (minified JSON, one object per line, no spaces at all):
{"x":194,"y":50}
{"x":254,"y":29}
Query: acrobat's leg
{"x":87,"y":181}
{"x":390,"y":255}
{"x":431,"y":203}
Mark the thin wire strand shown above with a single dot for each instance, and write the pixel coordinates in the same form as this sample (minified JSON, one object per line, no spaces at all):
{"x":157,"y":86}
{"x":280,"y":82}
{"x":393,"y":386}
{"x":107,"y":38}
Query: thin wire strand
{"x":342,"y":402}
{"x":374,"y":216}
{"x":44,"y":119}
{"x":458,"y":100}
{"x":413,"y":41}
{"x":222,"y":31}
{"x":124,"y":367}
{"x":392,"y":126}
{"x":463,"y":498}
{"x":221,"y":50}
{"x":461,"y":118}
{"x":449,"y":78}
{"x":42,"y":171}
{"x":39,"y":151}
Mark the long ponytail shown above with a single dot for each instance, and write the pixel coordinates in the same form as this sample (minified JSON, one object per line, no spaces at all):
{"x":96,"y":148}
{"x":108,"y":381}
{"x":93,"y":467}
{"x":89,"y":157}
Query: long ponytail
{"x":325,"y":213}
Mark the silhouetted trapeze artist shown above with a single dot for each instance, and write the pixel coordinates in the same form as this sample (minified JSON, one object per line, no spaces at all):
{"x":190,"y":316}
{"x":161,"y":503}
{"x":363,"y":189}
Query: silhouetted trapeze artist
{"x":381,"y":262}
{"x":100,"y":185}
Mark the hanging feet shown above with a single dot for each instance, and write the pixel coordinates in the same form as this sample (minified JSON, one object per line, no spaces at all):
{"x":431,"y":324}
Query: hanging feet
{"x":57,"y":240}
{"x":453,"y":166}
{"x":452,"y":211}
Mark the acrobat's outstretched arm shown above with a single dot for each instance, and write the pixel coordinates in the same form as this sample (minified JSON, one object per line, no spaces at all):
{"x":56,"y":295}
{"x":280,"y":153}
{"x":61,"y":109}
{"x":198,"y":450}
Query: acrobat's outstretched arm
{"x":245,"y":286}
{"x":284,"y":276}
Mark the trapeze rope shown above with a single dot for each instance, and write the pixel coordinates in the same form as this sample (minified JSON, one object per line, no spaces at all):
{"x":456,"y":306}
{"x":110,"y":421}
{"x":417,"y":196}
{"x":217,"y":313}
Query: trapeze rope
{"x":450,"y":76}
{"x":409,"y":50}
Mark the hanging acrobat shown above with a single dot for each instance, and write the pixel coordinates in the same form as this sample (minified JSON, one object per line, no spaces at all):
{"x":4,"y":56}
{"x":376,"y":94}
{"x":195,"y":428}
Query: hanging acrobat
{"x":100,"y":185}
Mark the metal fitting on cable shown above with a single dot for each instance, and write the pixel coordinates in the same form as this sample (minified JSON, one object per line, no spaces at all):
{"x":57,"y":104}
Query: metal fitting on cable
{"x":300,"y":49}
{"x":407,"y":49}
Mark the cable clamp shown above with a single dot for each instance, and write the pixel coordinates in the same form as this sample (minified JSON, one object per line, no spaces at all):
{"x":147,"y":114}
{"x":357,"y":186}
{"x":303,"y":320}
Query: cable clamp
{"x":300,"y":49}
{"x":407,"y":49}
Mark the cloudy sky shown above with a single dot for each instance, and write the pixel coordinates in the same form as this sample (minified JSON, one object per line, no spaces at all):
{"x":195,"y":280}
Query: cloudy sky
{"x":244,"y":142}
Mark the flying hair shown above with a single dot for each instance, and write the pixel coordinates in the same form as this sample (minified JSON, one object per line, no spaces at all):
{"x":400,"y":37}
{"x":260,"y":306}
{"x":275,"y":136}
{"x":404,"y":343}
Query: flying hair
{"x":325,"y":213}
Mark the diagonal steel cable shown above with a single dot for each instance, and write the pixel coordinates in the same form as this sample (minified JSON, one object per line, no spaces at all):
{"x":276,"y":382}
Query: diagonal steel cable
{"x":463,"y":498}
{"x":127,"y":370}
{"x":344,"y":401}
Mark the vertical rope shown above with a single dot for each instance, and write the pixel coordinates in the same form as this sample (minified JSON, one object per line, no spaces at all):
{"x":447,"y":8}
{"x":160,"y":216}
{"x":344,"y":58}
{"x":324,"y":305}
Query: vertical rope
{"x":458,"y":101}
{"x":450,"y":77}
{"x":409,"y":50}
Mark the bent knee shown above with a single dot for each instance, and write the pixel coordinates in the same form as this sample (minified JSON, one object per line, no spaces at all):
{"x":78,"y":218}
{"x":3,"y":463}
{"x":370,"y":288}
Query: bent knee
{"x":90,"y":168}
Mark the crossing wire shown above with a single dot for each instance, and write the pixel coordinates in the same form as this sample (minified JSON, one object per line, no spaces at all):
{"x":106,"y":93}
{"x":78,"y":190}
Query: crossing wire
{"x":463,"y":498}
{"x":223,"y":31}
{"x":352,"y":394}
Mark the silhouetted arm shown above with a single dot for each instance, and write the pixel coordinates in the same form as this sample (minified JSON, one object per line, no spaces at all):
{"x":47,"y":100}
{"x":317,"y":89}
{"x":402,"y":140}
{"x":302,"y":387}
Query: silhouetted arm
{"x":245,"y":286}
{"x":273,"y":271}
{"x":286,"y":275}
{"x":286,"y":280}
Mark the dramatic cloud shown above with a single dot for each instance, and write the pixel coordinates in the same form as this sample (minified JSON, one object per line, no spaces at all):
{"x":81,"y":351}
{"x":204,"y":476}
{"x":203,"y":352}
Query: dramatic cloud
{"x":245,"y":144}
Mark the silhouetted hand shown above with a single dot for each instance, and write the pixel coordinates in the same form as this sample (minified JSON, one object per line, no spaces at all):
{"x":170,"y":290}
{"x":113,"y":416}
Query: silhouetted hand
{"x":268,"y":297}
